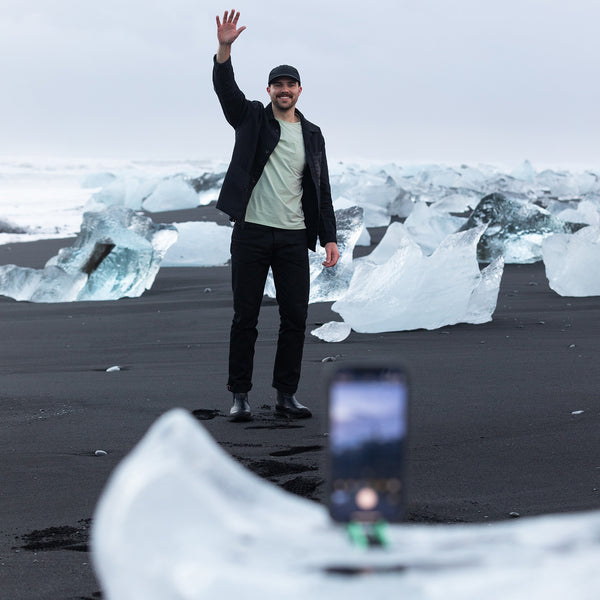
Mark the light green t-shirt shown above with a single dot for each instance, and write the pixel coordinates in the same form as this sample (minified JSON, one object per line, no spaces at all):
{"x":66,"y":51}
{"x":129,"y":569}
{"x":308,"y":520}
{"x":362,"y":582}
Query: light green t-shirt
{"x":276,"y":199}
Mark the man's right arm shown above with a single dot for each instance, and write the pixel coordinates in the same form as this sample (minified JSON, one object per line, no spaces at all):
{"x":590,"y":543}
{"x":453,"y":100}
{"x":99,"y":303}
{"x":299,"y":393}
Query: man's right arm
{"x":233,"y":102}
{"x":227,"y":33}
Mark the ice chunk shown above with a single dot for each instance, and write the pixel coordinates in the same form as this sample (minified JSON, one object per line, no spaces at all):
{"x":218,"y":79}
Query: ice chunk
{"x":455,"y":202}
{"x":572,"y":262}
{"x":334,"y":331}
{"x":328,"y":284}
{"x":155,"y":194}
{"x":413,"y":291}
{"x":524,"y":171}
{"x":585,"y":212}
{"x":50,"y":284}
{"x":199,"y":244}
{"x":484,"y":298}
{"x":373,"y":215}
{"x":515,"y":230}
{"x":174,"y":193}
{"x":402,"y":205}
{"x":393,"y":238}
{"x":97,"y":179}
{"x":365,"y":237}
{"x":178,"y":512}
{"x":371,"y":186}
{"x":429,"y":225}
{"x":128,"y":191}
{"x":207,"y":186}
{"x":116,"y":254}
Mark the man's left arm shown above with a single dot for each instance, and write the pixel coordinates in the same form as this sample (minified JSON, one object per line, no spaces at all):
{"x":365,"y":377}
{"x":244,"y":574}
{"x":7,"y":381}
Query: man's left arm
{"x":327,"y":226}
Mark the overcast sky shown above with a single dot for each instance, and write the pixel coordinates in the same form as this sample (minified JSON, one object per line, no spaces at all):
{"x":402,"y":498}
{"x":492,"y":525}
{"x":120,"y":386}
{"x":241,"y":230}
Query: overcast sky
{"x":395,"y":80}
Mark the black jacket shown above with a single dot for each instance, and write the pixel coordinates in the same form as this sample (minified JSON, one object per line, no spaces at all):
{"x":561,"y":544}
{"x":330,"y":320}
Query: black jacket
{"x":257,"y":133}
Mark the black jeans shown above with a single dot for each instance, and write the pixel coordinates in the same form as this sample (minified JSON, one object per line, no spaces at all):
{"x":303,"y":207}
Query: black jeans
{"x":255,"y":248}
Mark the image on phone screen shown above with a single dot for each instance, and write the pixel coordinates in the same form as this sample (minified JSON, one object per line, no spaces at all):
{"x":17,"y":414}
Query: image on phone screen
{"x":367,"y":444}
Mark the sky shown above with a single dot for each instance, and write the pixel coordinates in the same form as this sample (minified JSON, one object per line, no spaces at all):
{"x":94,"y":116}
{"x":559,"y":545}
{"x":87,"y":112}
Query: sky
{"x":405,"y":81}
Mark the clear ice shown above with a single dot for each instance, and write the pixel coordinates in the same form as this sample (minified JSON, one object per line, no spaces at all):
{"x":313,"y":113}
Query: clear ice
{"x":153,"y":193}
{"x":516,"y":228}
{"x":399,"y":288}
{"x":181,"y":519}
{"x":334,"y":331}
{"x":116,"y":254}
{"x":328,"y":284}
{"x":572,"y":262}
{"x":199,"y":244}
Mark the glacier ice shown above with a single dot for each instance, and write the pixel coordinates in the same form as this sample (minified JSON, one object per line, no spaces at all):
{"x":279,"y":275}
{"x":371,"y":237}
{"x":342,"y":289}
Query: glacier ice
{"x":199,"y":244}
{"x":116,"y":254}
{"x":174,"y":193}
{"x":392,"y":239}
{"x":586,"y":211}
{"x":572,"y":262}
{"x":515,"y":229}
{"x":384,"y":191}
{"x":399,"y":288}
{"x":128,"y":191}
{"x":373,"y":190}
{"x":429,"y":225}
{"x":155,"y":194}
{"x":327,"y":284}
{"x":334,"y":331}
{"x":178,"y":512}
{"x":365,"y":237}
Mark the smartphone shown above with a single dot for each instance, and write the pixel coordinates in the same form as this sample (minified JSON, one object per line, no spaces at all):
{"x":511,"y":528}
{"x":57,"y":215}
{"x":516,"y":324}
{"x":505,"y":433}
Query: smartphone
{"x":368,"y":426}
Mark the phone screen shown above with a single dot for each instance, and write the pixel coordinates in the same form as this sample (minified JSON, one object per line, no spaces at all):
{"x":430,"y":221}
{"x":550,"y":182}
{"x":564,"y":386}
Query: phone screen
{"x":367,"y":443}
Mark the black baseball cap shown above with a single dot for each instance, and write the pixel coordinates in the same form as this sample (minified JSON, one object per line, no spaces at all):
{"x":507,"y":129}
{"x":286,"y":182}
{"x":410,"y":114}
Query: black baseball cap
{"x":284,"y":71}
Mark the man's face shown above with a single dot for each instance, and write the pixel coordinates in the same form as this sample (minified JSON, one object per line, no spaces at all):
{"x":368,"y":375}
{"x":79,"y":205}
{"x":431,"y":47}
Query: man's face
{"x":284,"y":92}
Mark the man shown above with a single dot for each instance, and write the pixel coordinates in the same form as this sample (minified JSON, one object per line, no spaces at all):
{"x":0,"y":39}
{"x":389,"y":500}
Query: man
{"x":277,"y":192}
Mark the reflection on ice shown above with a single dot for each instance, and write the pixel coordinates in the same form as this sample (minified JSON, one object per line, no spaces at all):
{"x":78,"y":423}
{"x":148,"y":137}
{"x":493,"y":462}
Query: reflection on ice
{"x":181,"y":519}
{"x":116,"y":254}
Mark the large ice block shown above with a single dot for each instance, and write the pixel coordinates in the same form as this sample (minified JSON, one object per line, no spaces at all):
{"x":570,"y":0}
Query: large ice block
{"x":116,"y":254}
{"x":199,"y":244}
{"x":572,"y":262}
{"x":516,"y":228}
{"x":408,"y":290}
{"x":181,"y":519}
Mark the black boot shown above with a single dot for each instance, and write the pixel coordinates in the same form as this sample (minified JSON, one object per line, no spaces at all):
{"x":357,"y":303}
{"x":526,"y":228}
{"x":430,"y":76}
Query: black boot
{"x":240,"y":411}
{"x":288,"y":406}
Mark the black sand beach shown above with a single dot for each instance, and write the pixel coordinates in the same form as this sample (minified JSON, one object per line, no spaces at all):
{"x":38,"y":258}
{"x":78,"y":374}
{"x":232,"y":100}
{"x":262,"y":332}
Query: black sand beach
{"x":492,"y":426}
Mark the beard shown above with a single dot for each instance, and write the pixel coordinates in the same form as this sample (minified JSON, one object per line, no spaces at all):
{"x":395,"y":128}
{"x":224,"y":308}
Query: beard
{"x":285,"y":102}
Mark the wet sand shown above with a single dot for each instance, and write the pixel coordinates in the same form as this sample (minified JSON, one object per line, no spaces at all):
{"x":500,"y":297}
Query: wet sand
{"x":492,"y":424}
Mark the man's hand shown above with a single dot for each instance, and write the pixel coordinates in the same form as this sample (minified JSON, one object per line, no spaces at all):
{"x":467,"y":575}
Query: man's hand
{"x":228,"y":32}
{"x":333,"y":254}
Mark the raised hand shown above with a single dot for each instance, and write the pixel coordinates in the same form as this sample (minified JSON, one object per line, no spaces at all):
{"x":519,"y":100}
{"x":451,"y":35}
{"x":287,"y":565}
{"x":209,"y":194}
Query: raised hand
{"x":227,"y":31}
